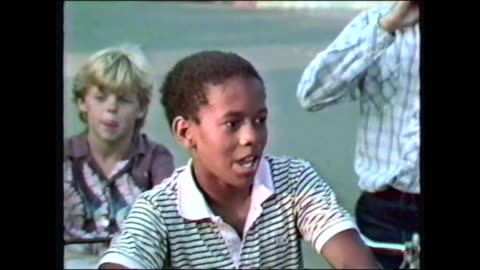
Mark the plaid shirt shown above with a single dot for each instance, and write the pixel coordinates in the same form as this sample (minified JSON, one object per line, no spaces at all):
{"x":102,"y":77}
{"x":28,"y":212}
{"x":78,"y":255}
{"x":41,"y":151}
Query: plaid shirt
{"x":381,"y":71}
{"x":95,"y":204}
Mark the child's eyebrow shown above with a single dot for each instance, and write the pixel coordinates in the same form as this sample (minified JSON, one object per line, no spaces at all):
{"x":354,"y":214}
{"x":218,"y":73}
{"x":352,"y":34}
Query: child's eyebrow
{"x":262,"y":110}
{"x":234,"y":114}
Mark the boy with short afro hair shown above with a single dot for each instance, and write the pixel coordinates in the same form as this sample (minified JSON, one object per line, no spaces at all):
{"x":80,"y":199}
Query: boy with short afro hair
{"x":231,"y":206}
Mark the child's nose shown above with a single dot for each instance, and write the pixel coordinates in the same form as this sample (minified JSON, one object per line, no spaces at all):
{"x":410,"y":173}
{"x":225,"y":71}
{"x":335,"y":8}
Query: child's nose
{"x":112,"y":103}
{"x":249,"y":135}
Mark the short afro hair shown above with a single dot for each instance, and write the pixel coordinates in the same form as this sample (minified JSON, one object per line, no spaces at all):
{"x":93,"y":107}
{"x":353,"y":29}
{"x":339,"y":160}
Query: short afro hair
{"x":183,"y":91}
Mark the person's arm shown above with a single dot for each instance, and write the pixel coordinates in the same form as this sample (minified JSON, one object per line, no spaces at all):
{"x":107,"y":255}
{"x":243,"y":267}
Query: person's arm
{"x":327,"y":226}
{"x":112,"y":266}
{"x":346,"y":250}
{"x":142,"y":243}
{"x":337,"y":73}
{"x":162,"y":164}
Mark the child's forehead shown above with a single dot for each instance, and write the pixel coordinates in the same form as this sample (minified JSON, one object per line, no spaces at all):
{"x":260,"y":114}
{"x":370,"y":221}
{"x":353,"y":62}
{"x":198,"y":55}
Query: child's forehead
{"x":117,"y":91}
{"x":234,"y":86}
{"x":237,"y":96}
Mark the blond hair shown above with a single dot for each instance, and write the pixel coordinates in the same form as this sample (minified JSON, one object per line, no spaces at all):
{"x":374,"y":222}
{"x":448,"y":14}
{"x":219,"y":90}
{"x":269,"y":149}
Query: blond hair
{"x":116,"y":70}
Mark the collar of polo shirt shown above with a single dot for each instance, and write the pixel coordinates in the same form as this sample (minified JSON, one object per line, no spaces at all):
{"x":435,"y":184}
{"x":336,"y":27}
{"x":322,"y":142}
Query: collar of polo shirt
{"x":192,"y":204}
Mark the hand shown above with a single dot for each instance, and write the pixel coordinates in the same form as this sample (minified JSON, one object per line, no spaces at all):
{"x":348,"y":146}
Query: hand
{"x":402,"y":14}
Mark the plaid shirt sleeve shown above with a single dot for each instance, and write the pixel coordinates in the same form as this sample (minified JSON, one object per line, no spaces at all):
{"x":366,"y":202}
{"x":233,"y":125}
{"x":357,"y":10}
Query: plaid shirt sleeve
{"x":336,"y":73}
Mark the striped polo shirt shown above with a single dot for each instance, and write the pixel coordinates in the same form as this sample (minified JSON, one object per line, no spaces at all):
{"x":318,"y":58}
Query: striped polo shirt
{"x":172,"y":226}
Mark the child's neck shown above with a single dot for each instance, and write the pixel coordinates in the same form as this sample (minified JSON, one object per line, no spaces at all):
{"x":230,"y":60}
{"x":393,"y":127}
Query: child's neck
{"x":220,"y":193}
{"x":107,"y":154}
{"x":229,"y":202}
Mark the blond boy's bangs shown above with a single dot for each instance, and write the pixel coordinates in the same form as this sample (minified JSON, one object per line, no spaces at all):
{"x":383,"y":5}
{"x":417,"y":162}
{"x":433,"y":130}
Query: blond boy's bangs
{"x":115,"y":73}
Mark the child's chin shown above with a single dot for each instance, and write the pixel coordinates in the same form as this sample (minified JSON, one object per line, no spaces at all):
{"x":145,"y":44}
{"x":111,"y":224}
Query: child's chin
{"x":111,"y":137}
{"x":245,"y":178}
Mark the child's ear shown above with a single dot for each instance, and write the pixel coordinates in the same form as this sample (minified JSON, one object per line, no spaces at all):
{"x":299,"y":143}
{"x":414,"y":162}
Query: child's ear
{"x":81,"y":105}
{"x":142,"y":113}
{"x":183,"y":132}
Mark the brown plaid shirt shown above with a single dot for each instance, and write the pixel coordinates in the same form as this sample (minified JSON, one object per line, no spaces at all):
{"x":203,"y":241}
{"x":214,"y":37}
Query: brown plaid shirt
{"x":95,"y":205}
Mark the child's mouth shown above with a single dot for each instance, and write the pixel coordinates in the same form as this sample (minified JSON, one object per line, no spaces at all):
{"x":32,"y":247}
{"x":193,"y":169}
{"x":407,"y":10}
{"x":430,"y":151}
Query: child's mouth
{"x":248,"y":165}
{"x":248,"y":162}
{"x":111,"y":124}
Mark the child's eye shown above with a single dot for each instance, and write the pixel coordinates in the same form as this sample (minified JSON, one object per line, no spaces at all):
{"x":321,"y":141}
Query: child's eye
{"x":100,"y":97}
{"x":261,"y":120}
{"x":232,"y":124}
{"x":124,"y":99}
